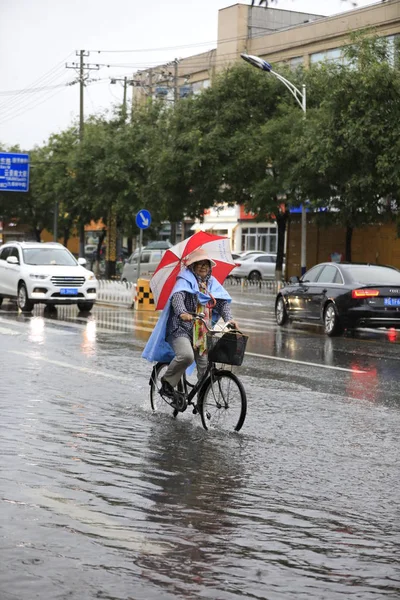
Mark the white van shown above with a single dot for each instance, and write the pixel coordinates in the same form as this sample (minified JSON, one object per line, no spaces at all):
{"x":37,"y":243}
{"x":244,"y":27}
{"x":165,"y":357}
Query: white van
{"x":149,"y":262}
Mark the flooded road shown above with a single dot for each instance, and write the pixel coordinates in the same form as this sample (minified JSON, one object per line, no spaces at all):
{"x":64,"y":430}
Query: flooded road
{"x":100,"y":498}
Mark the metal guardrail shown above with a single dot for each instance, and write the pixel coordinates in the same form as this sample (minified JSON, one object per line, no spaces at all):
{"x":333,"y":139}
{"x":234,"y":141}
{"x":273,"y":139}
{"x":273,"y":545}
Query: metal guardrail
{"x":116,"y":293}
{"x":123,"y":293}
{"x":269,"y":286}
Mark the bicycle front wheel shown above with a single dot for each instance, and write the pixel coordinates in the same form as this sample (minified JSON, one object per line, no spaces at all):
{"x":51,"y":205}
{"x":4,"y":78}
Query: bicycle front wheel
{"x":223,"y":403}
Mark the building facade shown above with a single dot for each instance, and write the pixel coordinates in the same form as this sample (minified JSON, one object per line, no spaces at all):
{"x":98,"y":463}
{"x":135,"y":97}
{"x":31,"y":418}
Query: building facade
{"x":281,"y":37}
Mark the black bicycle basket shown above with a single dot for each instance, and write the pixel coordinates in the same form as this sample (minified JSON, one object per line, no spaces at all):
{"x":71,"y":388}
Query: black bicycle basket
{"x":227,"y":348}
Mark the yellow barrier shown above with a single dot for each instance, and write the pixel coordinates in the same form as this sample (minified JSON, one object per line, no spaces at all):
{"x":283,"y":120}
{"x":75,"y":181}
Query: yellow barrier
{"x":144,"y":298}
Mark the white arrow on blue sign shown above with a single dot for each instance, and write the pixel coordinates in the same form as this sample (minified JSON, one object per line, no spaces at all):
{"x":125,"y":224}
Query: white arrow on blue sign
{"x":143,"y":219}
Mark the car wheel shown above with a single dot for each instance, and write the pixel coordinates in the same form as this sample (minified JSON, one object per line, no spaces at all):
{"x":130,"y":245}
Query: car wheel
{"x":254,"y":276}
{"x":281,"y":315}
{"x":332,"y":325}
{"x":85,"y":306}
{"x":23,"y":302}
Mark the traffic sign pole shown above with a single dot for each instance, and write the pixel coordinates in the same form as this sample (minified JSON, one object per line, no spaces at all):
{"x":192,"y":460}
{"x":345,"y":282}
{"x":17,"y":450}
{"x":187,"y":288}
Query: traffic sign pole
{"x":143,"y":221}
{"x":140,"y":252}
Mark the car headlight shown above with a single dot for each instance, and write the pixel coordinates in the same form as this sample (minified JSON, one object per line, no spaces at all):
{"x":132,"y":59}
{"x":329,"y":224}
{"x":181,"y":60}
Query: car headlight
{"x":91,"y":277}
{"x":36,"y":276}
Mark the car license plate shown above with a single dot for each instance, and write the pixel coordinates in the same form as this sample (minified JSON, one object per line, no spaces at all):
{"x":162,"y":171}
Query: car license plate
{"x":391,"y":301}
{"x":69,"y":291}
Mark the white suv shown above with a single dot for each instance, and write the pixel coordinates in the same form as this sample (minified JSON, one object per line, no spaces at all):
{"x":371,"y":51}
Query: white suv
{"x":45,"y":273}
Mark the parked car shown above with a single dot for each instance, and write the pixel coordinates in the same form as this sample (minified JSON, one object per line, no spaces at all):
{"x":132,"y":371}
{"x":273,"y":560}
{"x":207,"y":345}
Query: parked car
{"x":159,"y":245}
{"x":344,"y":295}
{"x":35,"y":273}
{"x":255,"y":266}
{"x":250,"y":252}
{"x":149,"y":261}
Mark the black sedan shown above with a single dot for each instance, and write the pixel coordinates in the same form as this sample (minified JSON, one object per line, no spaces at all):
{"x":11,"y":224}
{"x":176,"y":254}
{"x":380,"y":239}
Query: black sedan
{"x":342,"y":296}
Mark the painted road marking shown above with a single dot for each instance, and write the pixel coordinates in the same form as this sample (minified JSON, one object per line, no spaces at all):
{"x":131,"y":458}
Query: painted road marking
{"x":118,"y":377}
{"x":302,"y":362}
{"x":63,"y":364}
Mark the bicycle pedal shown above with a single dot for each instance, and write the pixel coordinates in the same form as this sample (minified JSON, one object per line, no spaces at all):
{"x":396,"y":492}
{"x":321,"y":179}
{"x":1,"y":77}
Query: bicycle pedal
{"x":195,"y":411}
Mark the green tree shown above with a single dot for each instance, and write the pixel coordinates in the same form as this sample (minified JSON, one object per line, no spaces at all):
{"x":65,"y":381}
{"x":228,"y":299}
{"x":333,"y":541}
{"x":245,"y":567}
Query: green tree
{"x":29,"y":208}
{"x":348,"y":155}
{"x":240,"y":140}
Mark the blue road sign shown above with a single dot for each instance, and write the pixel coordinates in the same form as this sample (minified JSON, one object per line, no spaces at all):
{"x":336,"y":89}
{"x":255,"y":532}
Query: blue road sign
{"x":143,"y":219}
{"x":14,"y":172}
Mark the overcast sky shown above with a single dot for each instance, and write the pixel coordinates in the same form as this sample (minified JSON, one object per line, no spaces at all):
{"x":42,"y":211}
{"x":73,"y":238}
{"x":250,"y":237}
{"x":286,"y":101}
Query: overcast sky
{"x":37,"y":38}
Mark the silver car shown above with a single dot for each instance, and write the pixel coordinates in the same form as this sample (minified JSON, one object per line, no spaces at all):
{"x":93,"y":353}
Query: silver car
{"x":256,"y":267}
{"x":149,"y":261}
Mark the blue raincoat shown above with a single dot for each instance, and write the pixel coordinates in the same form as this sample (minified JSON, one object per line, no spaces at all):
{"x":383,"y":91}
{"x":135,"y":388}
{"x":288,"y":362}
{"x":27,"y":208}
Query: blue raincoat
{"x":157,"y":348}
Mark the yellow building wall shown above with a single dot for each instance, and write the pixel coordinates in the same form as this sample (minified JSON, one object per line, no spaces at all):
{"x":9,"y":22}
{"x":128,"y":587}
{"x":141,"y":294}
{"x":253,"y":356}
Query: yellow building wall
{"x":374,"y":243}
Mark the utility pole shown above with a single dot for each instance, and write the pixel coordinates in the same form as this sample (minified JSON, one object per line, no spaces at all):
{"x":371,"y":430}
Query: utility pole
{"x":125,"y":82}
{"x":55,"y":226}
{"x":112,"y":234}
{"x":81,"y":67}
{"x":151,"y":84}
{"x":176,"y":95}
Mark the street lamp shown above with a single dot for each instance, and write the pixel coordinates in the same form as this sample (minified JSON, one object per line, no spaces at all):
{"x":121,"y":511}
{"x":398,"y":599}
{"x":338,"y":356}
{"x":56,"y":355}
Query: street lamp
{"x":301,"y":99}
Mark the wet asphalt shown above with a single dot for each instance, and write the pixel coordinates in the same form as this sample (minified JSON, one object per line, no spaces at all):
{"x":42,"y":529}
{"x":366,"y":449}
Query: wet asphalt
{"x":101,"y":498}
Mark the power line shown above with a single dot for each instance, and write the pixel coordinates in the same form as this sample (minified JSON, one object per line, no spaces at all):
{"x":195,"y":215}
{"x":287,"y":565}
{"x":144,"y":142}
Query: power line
{"x":20,"y":102}
{"x":44,"y":79}
{"x":33,"y":90}
{"x":24,"y":110}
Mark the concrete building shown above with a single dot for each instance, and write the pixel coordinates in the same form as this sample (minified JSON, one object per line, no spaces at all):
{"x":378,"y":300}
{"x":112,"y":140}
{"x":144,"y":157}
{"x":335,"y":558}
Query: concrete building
{"x":281,"y":37}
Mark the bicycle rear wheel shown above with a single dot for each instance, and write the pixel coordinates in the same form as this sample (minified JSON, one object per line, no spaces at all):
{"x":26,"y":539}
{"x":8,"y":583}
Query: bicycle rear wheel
{"x":223,"y":403}
{"x":159,"y":403}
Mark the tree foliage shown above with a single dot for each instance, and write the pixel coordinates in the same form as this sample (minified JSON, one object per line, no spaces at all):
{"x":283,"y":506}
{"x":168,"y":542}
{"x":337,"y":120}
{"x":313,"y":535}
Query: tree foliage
{"x":243,"y":140}
{"x":349,"y":150}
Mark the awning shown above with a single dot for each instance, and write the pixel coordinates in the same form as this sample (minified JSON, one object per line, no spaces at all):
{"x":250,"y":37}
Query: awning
{"x":222,"y":226}
{"x":229,"y":227}
{"x":201,"y":227}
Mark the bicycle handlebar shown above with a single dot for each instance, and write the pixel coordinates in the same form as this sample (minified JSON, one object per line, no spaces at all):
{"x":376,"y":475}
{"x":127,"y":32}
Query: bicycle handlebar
{"x":200,"y":317}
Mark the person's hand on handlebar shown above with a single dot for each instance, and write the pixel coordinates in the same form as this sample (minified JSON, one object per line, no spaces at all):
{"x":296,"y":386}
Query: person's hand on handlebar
{"x":232,"y":324}
{"x":186,"y":317}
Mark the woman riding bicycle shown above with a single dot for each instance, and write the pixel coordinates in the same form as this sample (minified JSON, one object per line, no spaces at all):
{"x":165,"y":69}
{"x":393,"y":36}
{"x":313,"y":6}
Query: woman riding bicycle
{"x":177,"y":337}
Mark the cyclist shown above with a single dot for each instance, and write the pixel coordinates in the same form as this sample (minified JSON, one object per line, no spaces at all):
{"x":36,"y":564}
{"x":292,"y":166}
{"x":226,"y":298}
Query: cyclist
{"x":177,"y":337}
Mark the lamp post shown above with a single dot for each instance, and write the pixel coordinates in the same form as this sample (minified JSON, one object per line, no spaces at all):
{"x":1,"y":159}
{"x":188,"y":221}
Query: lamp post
{"x":301,"y":99}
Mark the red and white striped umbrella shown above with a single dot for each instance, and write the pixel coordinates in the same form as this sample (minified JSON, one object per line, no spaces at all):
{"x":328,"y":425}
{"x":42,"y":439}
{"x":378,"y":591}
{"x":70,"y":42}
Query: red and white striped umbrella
{"x":174,"y":260}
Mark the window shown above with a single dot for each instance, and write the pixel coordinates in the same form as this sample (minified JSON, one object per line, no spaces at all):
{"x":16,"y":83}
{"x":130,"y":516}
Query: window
{"x":328,"y":274}
{"x":4,"y":253}
{"x":332,"y":55}
{"x":393,"y":49}
{"x":296,"y":62}
{"x":14,"y":252}
{"x":145,"y":258}
{"x":374,"y":275}
{"x":260,"y":238}
{"x":265,"y":259}
{"x":311,"y":275}
{"x":156,"y":256}
{"x":49,"y":256}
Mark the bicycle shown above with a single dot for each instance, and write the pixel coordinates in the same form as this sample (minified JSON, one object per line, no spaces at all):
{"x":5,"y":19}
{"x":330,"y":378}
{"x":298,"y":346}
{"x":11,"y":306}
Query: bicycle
{"x":221,"y":397}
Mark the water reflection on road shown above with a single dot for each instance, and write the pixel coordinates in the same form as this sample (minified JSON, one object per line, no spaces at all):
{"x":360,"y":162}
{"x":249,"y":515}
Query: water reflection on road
{"x":102,"y":499}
